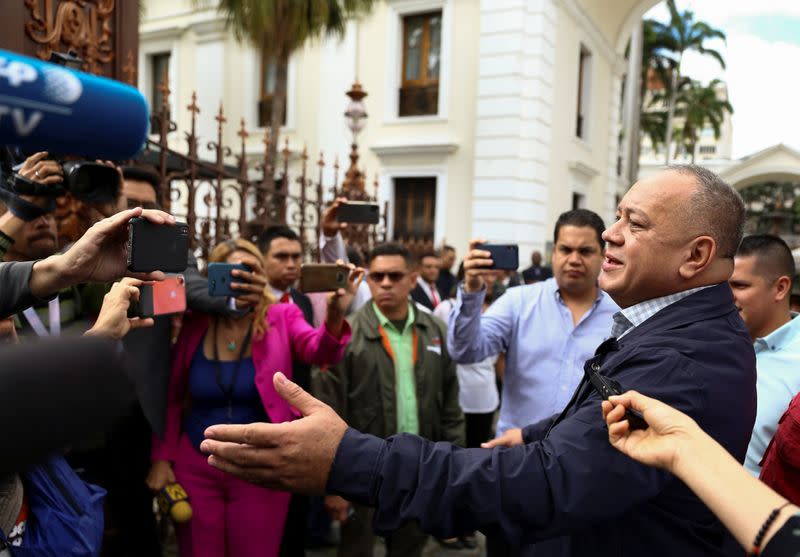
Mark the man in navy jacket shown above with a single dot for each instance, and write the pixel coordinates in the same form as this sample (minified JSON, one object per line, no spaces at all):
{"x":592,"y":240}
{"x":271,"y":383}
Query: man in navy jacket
{"x":563,"y":490}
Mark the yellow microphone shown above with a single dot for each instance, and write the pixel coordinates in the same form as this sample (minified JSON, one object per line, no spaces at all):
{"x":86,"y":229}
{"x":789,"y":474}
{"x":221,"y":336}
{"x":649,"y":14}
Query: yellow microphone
{"x":173,"y":501}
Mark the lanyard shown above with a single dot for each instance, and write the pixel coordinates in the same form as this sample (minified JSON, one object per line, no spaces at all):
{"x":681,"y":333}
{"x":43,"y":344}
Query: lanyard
{"x":227,"y":390}
{"x":54,"y":318}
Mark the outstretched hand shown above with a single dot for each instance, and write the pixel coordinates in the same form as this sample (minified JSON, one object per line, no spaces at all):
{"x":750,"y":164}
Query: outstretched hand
{"x":292,"y":456}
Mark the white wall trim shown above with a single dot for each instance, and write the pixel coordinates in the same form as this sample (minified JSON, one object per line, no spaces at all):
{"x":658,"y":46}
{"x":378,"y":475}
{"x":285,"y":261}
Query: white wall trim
{"x":397,"y":9}
{"x":598,"y":43}
{"x":435,"y":147}
{"x":150,"y":48}
{"x":386,"y":192}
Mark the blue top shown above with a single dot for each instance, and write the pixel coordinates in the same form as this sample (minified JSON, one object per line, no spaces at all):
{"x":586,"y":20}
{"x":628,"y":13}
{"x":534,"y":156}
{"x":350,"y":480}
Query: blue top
{"x":545,"y":352}
{"x":209,"y":402}
{"x":778,"y":364}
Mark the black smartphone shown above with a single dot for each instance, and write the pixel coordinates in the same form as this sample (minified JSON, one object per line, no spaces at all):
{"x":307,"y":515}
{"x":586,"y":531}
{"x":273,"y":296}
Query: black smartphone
{"x":505,"y":256}
{"x":220,"y":277}
{"x":606,"y":387}
{"x":157,"y":247}
{"x":358,"y":212}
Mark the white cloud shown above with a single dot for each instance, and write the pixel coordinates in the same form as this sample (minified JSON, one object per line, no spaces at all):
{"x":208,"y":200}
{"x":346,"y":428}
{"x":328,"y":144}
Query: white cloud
{"x":763,"y":83}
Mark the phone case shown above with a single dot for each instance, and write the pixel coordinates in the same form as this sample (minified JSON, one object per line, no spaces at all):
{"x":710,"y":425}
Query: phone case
{"x":505,"y":256}
{"x":165,"y":297}
{"x":169,"y":296}
{"x":155,"y":247}
{"x":358,"y":212}
{"x":220,"y":279}
{"x":322,"y":277}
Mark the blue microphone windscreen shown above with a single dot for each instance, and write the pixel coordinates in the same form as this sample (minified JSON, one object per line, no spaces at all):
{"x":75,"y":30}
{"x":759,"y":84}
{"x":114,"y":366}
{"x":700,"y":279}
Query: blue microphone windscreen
{"x":47,"y":107}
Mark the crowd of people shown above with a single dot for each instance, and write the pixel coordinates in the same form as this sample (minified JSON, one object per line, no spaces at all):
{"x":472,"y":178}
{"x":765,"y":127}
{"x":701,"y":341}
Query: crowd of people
{"x":417,"y":401}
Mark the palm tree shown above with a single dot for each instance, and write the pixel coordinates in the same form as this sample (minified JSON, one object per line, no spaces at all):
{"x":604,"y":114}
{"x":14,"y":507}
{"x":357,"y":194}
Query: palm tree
{"x":685,"y":34}
{"x":699,"y":105}
{"x":280,"y":27}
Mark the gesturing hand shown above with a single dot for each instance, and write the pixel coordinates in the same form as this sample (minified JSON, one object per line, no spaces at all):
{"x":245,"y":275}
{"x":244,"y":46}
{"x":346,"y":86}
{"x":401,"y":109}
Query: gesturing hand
{"x":292,"y":456}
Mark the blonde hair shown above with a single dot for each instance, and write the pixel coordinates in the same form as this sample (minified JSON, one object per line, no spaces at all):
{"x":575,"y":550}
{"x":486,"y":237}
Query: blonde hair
{"x":221,"y":253}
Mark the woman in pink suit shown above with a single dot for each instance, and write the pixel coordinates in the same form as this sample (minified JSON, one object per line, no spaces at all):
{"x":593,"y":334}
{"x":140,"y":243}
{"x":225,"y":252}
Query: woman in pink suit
{"x":222,"y":372}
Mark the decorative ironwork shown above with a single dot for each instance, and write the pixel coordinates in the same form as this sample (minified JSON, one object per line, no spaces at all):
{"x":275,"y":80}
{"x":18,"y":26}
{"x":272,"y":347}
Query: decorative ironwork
{"x":129,"y":69}
{"x":231,"y":195}
{"x":83,"y":26}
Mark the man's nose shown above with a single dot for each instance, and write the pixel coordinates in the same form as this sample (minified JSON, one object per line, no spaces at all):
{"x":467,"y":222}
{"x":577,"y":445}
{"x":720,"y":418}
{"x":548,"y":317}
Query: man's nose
{"x":612,"y":234}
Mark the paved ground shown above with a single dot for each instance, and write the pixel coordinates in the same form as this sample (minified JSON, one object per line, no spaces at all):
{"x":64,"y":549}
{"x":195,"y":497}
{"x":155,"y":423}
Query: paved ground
{"x":433,"y":549}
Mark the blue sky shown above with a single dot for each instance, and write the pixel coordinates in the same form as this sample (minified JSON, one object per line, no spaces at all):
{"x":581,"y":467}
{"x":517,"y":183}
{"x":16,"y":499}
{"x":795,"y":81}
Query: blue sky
{"x":762,"y":54}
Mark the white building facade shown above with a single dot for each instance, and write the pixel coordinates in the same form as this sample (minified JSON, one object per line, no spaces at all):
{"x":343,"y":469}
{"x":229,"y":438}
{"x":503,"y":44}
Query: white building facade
{"x":486,"y":117}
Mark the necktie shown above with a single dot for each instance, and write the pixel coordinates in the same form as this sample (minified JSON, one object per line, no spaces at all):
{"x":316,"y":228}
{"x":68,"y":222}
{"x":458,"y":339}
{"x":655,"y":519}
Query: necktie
{"x":434,"y":297}
{"x":285,"y":298}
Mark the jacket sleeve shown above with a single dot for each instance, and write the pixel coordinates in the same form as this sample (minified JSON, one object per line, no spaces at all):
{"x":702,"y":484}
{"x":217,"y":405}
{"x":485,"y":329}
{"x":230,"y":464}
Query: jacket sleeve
{"x":453,"y":426}
{"x":570,"y":480}
{"x":472,"y":337}
{"x":15,"y":293}
{"x":331,"y":385}
{"x":314,"y":346}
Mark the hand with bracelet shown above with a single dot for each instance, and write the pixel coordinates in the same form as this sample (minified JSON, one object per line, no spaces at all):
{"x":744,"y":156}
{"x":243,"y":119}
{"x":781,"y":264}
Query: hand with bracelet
{"x":752,"y":512}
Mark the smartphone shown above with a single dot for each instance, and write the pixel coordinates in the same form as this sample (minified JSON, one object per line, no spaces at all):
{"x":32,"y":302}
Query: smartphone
{"x":165,"y":297}
{"x":157,"y":247}
{"x":606,"y":387}
{"x":323,"y":277}
{"x":359,"y":212}
{"x":220,"y":278}
{"x":505,"y":256}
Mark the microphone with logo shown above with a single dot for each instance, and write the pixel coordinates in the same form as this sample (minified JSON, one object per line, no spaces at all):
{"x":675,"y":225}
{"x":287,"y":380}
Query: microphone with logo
{"x":47,"y":107}
{"x":174,"y":502}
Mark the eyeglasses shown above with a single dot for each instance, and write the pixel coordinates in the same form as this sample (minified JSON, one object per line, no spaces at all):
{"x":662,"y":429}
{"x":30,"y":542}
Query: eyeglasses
{"x":394,"y":276}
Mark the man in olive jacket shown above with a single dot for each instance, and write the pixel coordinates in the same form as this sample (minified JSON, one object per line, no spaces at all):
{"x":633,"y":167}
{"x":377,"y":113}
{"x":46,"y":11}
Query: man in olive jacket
{"x":396,"y":377}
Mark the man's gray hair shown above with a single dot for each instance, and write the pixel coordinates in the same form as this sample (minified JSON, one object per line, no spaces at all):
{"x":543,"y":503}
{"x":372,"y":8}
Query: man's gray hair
{"x":715,"y":208}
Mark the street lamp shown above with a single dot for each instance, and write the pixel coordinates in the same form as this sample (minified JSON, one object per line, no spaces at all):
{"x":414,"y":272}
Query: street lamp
{"x":356,"y":119}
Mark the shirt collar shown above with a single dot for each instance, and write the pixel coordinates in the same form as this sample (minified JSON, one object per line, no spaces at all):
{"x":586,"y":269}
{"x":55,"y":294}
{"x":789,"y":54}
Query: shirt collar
{"x":552,"y":285}
{"x":631,"y":317}
{"x":780,"y":337}
{"x":278,"y":293}
{"x":386,"y":322}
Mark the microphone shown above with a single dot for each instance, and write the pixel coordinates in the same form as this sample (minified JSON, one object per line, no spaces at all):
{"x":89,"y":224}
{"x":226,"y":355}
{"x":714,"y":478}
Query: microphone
{"x":173,"y":501}
{"x":47,"y":107}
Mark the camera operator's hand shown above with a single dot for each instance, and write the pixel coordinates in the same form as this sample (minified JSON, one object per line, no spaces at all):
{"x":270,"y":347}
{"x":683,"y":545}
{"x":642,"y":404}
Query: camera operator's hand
{"x":475,"y":266}
{"x":330,"y":226}
{"x":160,"y":475}
{"x":110,"y":208}
{"x":113,"y":320}
{"x":100,"y":255}
{"x":251,"y":283}
{"x":340,"y":300}
{"x":38,"y":168}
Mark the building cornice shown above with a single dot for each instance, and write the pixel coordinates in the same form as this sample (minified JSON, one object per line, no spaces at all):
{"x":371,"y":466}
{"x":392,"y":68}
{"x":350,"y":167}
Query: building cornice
{"x":436,"y":147}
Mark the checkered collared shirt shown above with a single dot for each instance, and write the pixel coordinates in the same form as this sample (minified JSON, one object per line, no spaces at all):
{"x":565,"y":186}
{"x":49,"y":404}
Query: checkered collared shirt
{"x":627,"y":319}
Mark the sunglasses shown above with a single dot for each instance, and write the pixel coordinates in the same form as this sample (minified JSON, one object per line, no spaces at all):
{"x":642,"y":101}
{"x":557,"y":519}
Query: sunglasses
{"x":394,"y":276}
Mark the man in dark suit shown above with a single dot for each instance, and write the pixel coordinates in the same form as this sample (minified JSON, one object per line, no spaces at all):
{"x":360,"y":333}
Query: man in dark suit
{"x":283,"y":255}
{"x":447,"y":280}
{"x":425,"y":292}
{"x":536,"y":272}
{"x":560,"y":490}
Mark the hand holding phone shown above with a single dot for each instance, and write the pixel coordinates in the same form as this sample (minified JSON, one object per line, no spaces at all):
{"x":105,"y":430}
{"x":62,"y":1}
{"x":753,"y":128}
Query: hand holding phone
{"x":220,"y":279}
{"x":606,"y":387}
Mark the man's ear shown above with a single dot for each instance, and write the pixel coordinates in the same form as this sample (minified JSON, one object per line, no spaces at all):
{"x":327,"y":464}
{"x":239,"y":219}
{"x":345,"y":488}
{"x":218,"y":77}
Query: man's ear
{"x":782,"y":288}
{"x":702,"y":251}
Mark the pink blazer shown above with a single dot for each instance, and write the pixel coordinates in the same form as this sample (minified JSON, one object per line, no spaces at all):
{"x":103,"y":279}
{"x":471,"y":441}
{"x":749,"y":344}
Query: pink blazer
{"x":288,"y":337}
